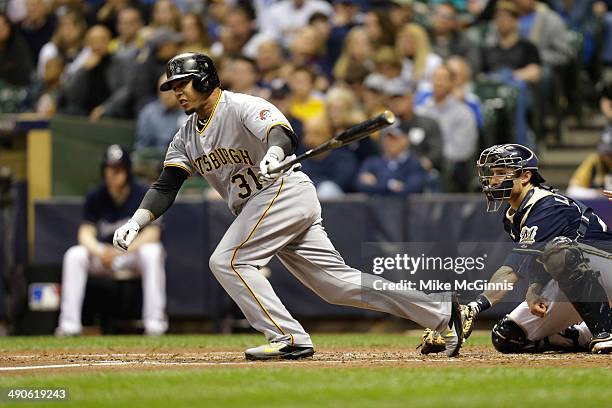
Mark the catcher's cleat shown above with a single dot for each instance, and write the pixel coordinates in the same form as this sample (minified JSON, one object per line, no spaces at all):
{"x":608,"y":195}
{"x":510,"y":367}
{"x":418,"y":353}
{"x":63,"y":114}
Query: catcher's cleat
{"x":432,"y":342}
{"x":601,"y":344}
{"x":453,"y":338}
{"x":278,"y":351}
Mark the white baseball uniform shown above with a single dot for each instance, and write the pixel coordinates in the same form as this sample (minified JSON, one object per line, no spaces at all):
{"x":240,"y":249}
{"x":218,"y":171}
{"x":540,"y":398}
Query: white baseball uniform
{"x":281,"y":218}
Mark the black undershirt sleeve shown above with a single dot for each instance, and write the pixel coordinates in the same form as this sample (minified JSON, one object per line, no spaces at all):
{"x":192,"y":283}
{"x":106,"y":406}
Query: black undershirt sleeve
{"x":163,"y":191}
{"x":284,"y":138}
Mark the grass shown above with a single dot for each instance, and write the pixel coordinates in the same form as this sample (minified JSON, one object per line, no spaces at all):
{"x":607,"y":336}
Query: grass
{"x":301,"y":386}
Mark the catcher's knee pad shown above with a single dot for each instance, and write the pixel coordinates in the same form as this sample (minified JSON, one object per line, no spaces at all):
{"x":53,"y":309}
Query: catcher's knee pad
{"x":562,"y":258}
{"x":508,"y":337}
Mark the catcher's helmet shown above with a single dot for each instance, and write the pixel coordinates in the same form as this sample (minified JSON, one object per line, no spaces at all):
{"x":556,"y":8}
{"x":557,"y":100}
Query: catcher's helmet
{"x":197,"y":66}
{"x":513,"y":157}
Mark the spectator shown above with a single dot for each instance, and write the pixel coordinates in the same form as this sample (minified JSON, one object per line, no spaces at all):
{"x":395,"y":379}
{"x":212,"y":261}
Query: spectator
{"x":304,"y":103}
{"x":373,"y":94}
{"x":401,"y":12}
{"x":397,"y":172}
{"x":307,"y":49}
{"x":243,"y":76}
{"x":379,"y":27}
{"x":15,"y":60}
{"x":459,"y":130}
{"x":343,"y":111}
{"x":67,"y":42}
{"x":388,"y":64}
{"x":158,"y":121}
{"x":595,"y":172}
{"x":37,"y":26}
{"x":331,"y":172}
{"x":447,"y":39}
{"x":546,"y":30}
{"x":89,"y":90}
{"x":239,"y":33}
{"x":162,"y":45}
{"x":423,"y":132}
{"x":106,"y":206}
{"x":329,"y":48}
{"x":357,"y":52}
{"x":285,"y":17}
{"x":195,"y":34}
{"x":45,"y":92}
{"x":462,"y":88}
{"x":107,"y":11}
{"x":418,"y":62}
{"x":165,"y":15}
{"x":129,"y":41}
{"x":346,"y":16}
{"x":515,"y":62}
{"x":280,"y":96}
{"x":269,"y":61}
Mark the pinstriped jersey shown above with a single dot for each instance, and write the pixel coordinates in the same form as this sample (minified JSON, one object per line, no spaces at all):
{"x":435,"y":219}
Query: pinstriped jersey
{"x":227,"y":149}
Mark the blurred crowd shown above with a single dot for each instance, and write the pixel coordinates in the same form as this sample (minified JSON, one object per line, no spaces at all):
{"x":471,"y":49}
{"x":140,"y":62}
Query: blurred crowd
{"x":326,"y":64}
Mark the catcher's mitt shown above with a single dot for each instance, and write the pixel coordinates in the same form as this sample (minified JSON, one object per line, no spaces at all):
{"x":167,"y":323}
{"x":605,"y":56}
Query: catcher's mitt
{"x":433,"y":342}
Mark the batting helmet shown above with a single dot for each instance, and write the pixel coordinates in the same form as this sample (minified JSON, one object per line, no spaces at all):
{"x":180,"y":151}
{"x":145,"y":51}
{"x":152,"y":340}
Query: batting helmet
{"x":514,"y":157}
{"x":193,"y":65}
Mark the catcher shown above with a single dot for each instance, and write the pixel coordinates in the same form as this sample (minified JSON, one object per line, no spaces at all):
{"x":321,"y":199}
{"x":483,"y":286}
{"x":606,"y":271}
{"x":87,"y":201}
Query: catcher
{"x":563,"y":250}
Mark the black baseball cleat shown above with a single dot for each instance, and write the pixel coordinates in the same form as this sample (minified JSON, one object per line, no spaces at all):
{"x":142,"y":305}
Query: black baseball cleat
{"x":278,"y":351}
{"x":453,"y":338}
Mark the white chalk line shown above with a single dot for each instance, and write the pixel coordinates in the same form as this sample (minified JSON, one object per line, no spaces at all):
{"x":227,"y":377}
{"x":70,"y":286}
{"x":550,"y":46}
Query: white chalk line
{"x":201,"y":363}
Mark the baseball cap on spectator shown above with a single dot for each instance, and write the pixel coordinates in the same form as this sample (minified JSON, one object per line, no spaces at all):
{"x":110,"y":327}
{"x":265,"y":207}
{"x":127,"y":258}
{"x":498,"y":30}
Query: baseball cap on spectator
{"x":376,"y":82}
{"x":398,"y":87}
{"x":507,"y":6}
{"x":163,"y":36}
{"x":605,"y":145}
{"x":394,"y":130}
{"x":279,"y":89}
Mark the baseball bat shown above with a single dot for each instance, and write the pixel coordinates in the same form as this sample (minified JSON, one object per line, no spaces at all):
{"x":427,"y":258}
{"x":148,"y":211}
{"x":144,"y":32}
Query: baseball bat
{"x":350,"y":135}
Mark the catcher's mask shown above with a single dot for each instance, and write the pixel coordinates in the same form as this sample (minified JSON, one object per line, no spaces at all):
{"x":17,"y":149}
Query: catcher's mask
{"x":498,"y":167}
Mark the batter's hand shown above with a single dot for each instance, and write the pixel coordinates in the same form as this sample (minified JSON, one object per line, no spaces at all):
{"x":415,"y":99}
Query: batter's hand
{"x":608,"y":193}
{"x":270,"y":161}
{"x":125,"y":234}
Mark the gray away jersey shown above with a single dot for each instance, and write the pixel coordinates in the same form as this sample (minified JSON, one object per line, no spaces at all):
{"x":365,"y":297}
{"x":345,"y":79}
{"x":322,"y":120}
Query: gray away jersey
{"x":228,"y":150}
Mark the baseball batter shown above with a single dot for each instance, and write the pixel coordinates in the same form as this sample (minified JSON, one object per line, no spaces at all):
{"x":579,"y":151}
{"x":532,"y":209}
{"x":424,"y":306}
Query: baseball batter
{"x":233,"y":140}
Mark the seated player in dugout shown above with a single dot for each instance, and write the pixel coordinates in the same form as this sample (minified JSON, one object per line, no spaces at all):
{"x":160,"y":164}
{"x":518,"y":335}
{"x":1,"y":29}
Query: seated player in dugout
{"x":106,"y":207}
{"x":234,"y":141}
{"x":564,"y":252}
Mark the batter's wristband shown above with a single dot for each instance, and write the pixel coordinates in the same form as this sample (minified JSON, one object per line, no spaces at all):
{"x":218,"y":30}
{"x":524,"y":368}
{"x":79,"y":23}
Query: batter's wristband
{"x":142,"y":217}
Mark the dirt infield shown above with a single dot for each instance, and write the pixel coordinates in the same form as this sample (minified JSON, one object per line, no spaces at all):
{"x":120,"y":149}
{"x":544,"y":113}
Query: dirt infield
{"x":14,"y":363}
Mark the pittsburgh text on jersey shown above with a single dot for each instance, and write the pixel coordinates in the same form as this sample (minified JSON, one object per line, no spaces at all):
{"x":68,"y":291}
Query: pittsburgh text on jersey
{"x":220,"y":157}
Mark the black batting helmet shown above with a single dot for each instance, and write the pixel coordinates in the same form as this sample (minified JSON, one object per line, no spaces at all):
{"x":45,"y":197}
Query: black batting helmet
{"x":116,"y":155}
{"x":193,"y":65}
{"x":513,"y":157}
